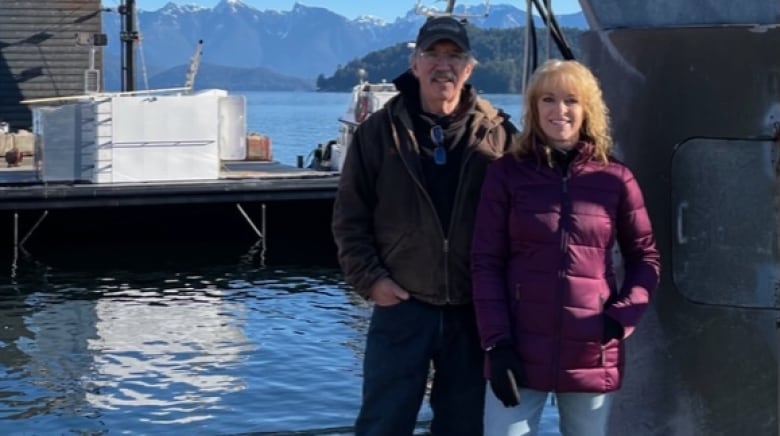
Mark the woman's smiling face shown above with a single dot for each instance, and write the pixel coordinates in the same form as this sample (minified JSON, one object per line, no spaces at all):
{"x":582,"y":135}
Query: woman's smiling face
{"x":560,"y":117}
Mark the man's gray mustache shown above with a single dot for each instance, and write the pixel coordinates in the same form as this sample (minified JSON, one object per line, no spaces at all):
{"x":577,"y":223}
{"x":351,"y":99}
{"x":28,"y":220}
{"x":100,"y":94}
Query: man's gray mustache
{"x":445,"y":76}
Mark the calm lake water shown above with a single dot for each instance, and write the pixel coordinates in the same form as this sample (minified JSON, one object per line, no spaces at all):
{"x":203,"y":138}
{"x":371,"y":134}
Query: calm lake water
{"x":297,"y":122}
{"x":189,"y":340}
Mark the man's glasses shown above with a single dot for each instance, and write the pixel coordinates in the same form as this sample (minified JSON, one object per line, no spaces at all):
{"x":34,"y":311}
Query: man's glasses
{"x":439,"y":152}
{"x":451,"y":58}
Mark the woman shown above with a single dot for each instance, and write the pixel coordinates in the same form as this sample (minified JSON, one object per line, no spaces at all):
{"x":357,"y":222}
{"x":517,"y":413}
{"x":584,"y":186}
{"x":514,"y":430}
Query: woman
{"x":551,"y":316}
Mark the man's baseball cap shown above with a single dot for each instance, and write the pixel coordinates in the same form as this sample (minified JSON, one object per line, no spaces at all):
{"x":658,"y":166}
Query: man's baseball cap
{"x":439,"y":28}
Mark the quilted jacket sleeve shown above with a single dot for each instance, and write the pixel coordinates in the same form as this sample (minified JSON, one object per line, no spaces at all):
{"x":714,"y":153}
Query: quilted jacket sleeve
{"x":489,"y":256}
{"x":640,"y":257}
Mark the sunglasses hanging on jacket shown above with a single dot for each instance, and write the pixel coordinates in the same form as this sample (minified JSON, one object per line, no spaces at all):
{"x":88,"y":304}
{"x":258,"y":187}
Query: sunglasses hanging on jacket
{"x":439,"y":152}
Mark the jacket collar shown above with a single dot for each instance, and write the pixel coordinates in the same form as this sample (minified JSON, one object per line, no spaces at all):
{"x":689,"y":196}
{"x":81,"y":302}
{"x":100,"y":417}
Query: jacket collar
{"x":402,"y":107}
{"x":585,"y":151}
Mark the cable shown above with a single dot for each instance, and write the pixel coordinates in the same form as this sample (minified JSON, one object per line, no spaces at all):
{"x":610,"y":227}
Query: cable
{"x":550,"y":21}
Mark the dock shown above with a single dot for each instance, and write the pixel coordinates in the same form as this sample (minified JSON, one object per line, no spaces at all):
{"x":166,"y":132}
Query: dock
{"x":153,"y":167}
{"x":284,"y":208}
{"x":239,"y":181}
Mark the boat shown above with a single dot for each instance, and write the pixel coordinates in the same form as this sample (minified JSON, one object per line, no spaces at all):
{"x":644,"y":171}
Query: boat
{"x":86,"y":165}
{"x":694,"y":92}
{"x":365,"y":99}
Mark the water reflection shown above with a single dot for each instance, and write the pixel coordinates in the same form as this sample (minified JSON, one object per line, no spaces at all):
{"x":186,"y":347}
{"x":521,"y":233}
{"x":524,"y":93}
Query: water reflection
{"x":171,"y":349}
{"x":144,"y":344}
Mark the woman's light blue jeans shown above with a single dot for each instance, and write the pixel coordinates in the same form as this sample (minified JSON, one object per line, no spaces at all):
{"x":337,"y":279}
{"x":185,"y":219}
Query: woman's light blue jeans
{"x":580,"y":414}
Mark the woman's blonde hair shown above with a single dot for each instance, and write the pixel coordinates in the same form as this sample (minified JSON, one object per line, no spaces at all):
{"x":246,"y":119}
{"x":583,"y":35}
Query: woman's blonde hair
{"x":576,"y":78}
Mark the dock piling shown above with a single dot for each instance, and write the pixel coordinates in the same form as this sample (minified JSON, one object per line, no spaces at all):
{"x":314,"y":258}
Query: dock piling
{"x":15,"y":260}
{"x":16,"y":231}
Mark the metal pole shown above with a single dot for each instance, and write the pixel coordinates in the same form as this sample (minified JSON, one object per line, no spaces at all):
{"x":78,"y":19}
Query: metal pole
{"x":16,"y":246}
{"x":16,"y":231}
{"x":450,"y":6}
{"x":262,"y":226}
{"x":527,"y":54}
{"x":34,"y":227}
{"x":122,"y":66}
{"x":259,"y":234}
{"x":548,"y":7}
{"x":128,"y":35}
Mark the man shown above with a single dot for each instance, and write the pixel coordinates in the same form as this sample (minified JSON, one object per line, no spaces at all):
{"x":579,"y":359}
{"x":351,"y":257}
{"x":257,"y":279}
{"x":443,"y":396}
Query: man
{"x":402,"y":223}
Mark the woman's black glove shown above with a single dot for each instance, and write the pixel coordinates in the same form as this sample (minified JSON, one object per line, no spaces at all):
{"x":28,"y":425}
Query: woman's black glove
{"x":612,"y":330}
{"x":506,"y":373}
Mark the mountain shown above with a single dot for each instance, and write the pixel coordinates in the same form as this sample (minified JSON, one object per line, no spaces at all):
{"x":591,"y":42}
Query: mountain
{"x":500,"y":68}
{"x":303,"y":42}
{"x":231,"y":78}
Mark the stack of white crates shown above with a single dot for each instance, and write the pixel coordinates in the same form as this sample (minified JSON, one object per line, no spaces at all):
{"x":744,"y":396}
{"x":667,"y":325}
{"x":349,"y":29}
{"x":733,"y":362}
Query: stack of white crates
{"x":129,"y":139}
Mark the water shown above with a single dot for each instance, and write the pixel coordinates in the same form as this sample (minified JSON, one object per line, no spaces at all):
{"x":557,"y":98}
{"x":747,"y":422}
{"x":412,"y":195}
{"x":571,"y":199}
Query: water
{"x":188,"y":340}
{"x":297,"y":122}
{"x":228,"y":347}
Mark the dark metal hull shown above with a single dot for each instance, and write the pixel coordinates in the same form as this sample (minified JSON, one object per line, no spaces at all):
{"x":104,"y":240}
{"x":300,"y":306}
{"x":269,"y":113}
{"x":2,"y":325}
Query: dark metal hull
{"x":684,"y":101}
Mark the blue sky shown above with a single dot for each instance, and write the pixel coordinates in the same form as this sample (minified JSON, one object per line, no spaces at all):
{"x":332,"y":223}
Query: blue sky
{"x":388,"y":10}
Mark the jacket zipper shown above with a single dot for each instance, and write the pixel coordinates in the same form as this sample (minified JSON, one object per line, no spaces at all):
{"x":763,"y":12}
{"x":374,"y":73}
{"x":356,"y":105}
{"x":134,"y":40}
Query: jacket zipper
{"x":565,"y":218}
{"x":455,"y":210}
{"x":603,"y":353}
{"x":447,"y":269}
{"x":420,"y":185}
{"x":445,"y":237}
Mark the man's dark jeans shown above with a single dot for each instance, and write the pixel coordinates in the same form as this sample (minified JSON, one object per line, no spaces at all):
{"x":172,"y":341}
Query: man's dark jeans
{"x":402,"y":342}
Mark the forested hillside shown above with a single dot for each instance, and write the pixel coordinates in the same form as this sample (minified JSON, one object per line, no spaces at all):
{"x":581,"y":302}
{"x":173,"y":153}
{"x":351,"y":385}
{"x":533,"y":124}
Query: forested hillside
{"x":498,"y":51}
